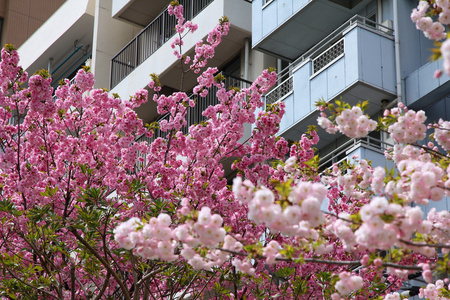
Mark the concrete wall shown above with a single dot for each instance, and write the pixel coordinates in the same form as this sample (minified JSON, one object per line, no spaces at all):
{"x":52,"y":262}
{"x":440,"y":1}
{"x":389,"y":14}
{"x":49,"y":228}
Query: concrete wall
{"x":23,"y":17}
{"x":119,"y":5}
{"x":110,"y":35}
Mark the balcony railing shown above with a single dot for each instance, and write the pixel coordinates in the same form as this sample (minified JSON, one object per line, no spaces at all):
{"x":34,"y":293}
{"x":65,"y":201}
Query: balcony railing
{"x":280,"y":91}
{"x":323,"y":54}
{"x":150,"y":39}
{"x":341,"y":153}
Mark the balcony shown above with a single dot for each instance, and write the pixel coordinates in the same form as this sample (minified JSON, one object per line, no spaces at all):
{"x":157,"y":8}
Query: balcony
{"x":368,"y":148}
{"x":288,"y":28}
{"x":150,"y":51}
{"x":68,"y":36}
{"x":356,"y":62}
{"x":422,"y":89}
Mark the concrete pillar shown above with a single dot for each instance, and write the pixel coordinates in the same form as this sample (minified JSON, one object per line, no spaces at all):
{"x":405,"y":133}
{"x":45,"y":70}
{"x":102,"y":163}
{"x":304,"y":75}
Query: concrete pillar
{"x":110,"y":36}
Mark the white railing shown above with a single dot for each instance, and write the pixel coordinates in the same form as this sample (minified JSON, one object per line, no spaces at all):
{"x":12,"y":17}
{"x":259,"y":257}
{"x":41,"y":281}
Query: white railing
{"x":328,"y":57}
{"x":341,"y":153}
{"x":281,"y":90}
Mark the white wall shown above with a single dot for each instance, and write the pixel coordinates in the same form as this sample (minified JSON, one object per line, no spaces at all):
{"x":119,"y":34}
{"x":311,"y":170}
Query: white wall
{"x":110,"y":36}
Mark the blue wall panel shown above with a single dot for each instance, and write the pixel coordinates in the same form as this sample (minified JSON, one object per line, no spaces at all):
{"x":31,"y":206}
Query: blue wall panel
{"x":370,"y":53}
{"x":336,"y":78}
{"x":319,"y":87}
{"x":288,"y":118}
{"x":427,"y":82}
{"x":257,"y":21}
{"x":302,"y":93}
{"x":299,"y":4}
{"x":421,"y":83}
{"x":351,"y":57}
{"x":412,"y":88}
{"x":284,"y":10}
{"x":378,"y":159}
{"x":269,"y":18}
{"x":388,"y":61}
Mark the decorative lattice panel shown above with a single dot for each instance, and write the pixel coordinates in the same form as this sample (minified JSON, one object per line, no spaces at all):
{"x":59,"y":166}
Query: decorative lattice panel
{"x":328,"y":56}
{"x":280,"y":91}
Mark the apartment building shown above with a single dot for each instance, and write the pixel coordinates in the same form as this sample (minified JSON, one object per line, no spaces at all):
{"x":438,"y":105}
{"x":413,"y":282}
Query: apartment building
{"x":358,"y":50}
{"x":355,"y":49}
{"x":125,"y":41}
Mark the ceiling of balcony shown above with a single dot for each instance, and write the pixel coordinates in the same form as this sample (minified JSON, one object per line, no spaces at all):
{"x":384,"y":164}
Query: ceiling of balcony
{"x":70,"y":28}
{"x":142,"y":12}
{"x":308,"y":26}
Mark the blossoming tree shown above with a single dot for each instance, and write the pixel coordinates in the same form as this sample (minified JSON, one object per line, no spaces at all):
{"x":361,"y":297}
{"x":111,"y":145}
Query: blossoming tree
{"x":88,"y":211}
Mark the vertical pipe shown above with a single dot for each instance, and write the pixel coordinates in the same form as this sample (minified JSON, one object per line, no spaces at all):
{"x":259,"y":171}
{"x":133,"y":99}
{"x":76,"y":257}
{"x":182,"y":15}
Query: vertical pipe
{"x":49,"y":65}
{"x":398,"y":68}
{"x":379,"y":12}
{"x":246,"y":57}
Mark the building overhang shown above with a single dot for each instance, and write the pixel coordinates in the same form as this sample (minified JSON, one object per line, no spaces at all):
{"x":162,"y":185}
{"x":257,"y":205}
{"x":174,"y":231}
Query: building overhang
{"x":140,"y":12}
{"x":68,"y":28}
{"x":306,"y":27}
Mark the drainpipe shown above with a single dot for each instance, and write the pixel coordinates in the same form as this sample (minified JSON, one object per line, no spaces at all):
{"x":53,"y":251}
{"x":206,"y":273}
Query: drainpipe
{"x":397,"y":53}
{"x":379,"y":12}
{"x":49,"y":65}
{"x":246,"y":57}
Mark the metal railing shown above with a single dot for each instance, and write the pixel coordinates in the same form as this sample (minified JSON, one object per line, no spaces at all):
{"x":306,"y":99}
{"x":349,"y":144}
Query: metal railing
{"x":150,"y":39}
{"x":324,"y":45}
{"x":328,"y":57}
{"x":280,"y":91}
{"x":340,"y":154}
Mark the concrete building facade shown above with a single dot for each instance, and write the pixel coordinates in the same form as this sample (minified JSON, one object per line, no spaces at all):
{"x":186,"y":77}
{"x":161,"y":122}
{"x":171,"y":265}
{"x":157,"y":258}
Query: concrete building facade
{"x":19,"y":19}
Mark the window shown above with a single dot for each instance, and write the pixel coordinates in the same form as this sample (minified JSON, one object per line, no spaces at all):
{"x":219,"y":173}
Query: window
{"x":372,"y":20}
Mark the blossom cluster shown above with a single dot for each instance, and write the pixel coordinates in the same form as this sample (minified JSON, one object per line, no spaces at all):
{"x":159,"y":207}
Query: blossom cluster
{"x":420,"y":180}
{"x":409,"y":126}
{"x":297,"y":219}
{"x":155,"y":239}
{"x":432,"y":30}
{"x":442,"y":134}
{"x":205,"y":50}
{"x":423,"y":15}
{"x":351,"y":122}
{"x":347,"y":283}
{"x":433,"y":291}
